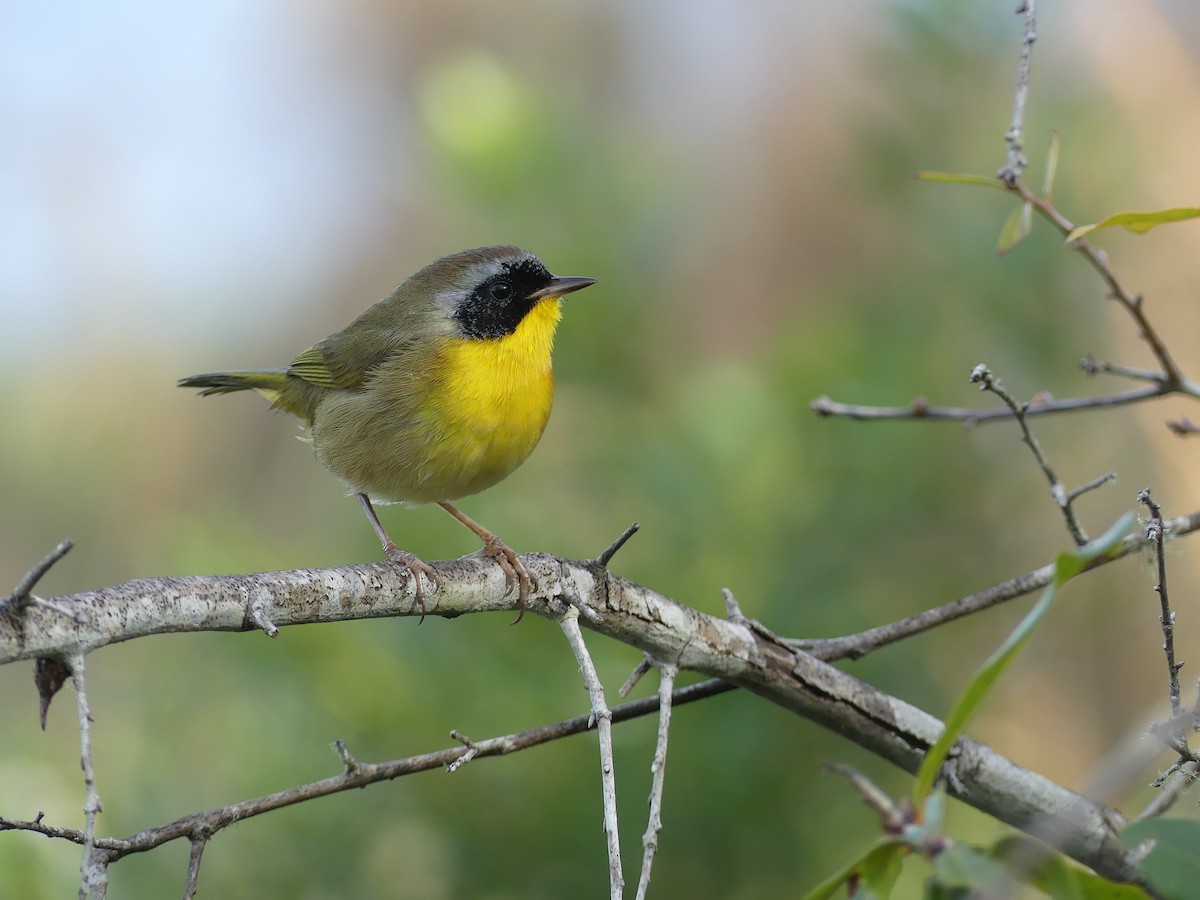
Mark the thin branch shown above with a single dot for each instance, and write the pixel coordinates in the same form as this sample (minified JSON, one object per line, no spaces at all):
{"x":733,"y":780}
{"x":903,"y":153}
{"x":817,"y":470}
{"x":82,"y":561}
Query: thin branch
{"x":983,"y":376}
{"x":1154,"y":534}
{"x":891,"y":816}
{"x":199,"y":842}
{"x":919,"y":409}
{"x":639,"y":672}
{"x":357,"y":774}
{"x":855,"y":646}
{"x":1092,"y":367}
{"x":93,"y":868}
{"x":1180,"y":781}
{"x":569,"y":622}
{"x":658,"y":770}
{"x":1129,"y":301}
{"x":1015,"y":162}
{"x":1076,"y":493}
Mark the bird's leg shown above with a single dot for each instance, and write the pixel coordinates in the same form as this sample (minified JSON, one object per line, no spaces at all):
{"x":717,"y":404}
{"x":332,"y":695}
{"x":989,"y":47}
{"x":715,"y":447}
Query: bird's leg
{"x":415,"y":565}
{"x":493,"y":547}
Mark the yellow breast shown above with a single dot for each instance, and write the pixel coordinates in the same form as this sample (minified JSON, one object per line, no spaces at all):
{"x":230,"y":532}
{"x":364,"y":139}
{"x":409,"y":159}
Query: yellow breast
{"x":484,"y":409}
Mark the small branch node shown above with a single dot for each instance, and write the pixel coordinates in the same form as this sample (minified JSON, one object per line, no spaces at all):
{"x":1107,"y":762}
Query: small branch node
{"x":733,"y":610}
{"x":470,"y":754}
{"x":350,"y":765}
{"x":258,"y":612}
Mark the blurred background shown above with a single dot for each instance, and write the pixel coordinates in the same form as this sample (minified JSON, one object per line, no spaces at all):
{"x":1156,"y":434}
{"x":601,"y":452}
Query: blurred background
{"x":186,"y":188}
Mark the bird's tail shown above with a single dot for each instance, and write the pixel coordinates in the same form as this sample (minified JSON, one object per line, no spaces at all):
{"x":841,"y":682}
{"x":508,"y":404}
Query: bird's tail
{"x":270,"y":383}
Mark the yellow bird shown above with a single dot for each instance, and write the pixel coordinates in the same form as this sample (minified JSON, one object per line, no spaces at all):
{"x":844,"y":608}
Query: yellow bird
{"x":438,"y":391}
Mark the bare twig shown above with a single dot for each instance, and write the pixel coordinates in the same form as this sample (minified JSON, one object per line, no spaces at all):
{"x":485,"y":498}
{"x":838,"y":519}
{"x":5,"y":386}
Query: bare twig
{"x":1172,"y":377}
{"x":93,"y":868}
{"x":199,"y":842}
{"x":1154,"y":534}
{"x":1015,"y":162}
{"x":472,"y":750}
{"x":983,"y":376}
{"x":855,"y":646}
{"x":658,"y":769}
{"x":1178,"y":783}
{"x":639,"y":672}
{"x":891,"y":816}
{"x":355,"y":775}
{"x":611,"y":550}
{"x":569,"y":622}
{"x":1092,"y":367}
{"x":827,"y":408}
{"x":1102,"y":480}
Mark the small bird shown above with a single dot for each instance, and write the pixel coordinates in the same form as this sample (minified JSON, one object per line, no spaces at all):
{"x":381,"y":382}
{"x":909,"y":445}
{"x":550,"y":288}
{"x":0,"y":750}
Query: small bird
{"x":436,"y":392}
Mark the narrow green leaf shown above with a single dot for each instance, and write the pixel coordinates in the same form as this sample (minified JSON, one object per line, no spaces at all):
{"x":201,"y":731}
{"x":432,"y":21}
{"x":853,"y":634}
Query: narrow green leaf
{"x":958,"y":178}
{"x":1138,"y":222}
{"x":881,"y":867}
{"x":1066,"y":566}
{"x":1051,"y":166}
{"x":960,"y":866}
{"x":1015,"y":229}
{"x":1173,"y":866}
{"x":1032,"y":862}
{"x":878,"y":859}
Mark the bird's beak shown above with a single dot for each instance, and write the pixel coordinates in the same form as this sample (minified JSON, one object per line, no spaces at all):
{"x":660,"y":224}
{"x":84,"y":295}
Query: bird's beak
{"x":561,"y":285}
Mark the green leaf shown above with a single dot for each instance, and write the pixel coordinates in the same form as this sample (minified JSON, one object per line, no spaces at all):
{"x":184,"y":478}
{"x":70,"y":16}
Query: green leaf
{"x":1051,"y":166}
{"x":879,"y":866}
{"x":1052,"y":873}
{"x":1066,"y":567}
{"x":1015,"y":229}
{"x":958,"y":178}
{"x":1173,"y":866}
{"x":960,"y":866}
{"x":1138,"y":222}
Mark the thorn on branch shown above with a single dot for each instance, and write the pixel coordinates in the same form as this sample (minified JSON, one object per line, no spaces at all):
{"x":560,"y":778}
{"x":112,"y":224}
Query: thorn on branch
{"x":639,"y":672}
{"x":606,"y":557}
{"x":1183,"y":427}
{"x":49,"y":675}
{"x":16,"y":602}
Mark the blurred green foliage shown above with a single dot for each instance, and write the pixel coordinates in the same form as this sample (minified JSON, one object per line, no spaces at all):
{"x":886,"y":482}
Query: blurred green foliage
{"x":752,"y":256}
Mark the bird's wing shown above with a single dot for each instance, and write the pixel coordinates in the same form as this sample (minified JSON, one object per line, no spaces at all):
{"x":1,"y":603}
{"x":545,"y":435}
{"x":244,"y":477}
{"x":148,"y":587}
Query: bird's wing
{"x":322,"y":365}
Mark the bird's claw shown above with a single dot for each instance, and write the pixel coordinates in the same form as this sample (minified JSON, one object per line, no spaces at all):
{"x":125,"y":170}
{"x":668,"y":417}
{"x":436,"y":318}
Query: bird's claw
{"x":416,"y":568}
{"x":515,"y":572}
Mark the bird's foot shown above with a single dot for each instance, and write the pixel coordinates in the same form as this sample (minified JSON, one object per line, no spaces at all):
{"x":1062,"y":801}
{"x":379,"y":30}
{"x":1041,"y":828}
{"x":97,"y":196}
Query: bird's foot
{"x":515,"y":572}
{"x":416,"y":568}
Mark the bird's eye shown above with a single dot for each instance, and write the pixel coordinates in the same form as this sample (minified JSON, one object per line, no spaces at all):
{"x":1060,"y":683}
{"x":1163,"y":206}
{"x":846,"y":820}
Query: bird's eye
{"x":500,"y":290}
